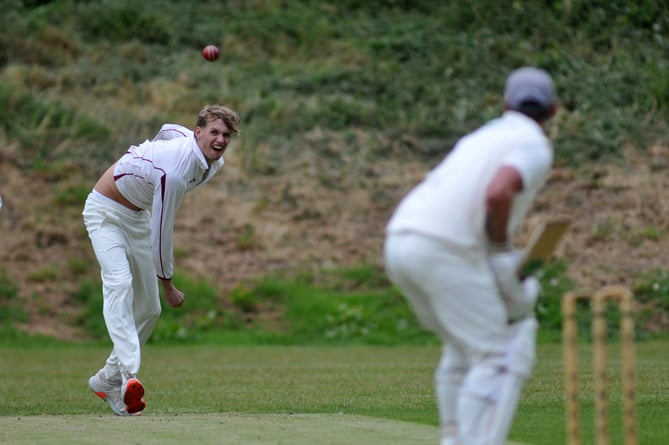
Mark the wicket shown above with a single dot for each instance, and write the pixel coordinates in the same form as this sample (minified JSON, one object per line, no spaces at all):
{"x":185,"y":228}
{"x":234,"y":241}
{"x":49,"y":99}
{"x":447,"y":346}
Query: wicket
{"x":598,"y":300}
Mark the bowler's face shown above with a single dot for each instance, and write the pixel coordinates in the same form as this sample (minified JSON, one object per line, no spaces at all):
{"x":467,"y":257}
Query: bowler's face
{"x":213,"y":139}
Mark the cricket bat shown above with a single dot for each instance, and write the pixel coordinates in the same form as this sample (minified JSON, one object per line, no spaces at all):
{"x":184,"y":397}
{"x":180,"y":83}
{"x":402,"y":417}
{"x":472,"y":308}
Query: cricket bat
{"x":542,"y":243}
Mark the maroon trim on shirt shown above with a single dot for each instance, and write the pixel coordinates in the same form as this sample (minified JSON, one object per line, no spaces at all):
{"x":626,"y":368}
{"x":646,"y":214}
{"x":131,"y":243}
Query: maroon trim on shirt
{"x":172,"y":129}
{"x":117,"y":177}
{"x":163,"y":180}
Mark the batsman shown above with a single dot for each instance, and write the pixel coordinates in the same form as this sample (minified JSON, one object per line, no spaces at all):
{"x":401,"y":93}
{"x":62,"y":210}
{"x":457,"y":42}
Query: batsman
{"x":448,"y":248}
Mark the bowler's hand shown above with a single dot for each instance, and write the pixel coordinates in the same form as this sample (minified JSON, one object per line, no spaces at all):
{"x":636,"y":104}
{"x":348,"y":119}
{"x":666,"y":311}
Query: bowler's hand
{"x":174,"y":296}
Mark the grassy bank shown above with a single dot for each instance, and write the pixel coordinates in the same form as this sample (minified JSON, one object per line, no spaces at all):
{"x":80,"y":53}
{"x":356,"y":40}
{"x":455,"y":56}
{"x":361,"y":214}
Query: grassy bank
{"x":343,"y":104}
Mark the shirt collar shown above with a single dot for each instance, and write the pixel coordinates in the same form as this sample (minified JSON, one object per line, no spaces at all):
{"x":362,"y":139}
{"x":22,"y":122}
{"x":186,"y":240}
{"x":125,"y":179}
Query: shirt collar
{"x":199,"y":154}
{"x":517,"y":116}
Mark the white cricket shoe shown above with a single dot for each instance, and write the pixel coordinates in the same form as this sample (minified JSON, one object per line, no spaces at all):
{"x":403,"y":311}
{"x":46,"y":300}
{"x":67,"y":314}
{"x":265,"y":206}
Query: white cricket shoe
{"x":109,"y":391}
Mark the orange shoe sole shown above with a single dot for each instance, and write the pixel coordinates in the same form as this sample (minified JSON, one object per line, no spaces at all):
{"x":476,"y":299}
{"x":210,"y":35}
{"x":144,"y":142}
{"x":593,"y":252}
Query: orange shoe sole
{"x":133,"y":398}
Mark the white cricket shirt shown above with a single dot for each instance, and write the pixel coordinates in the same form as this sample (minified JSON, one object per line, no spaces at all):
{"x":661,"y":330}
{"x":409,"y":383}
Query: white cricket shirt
{"x":155,"y":175}
{"x":449,"y":203}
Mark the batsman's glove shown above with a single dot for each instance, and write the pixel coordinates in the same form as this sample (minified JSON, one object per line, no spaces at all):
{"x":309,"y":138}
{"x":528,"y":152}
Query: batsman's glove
{"x":519,"y":296}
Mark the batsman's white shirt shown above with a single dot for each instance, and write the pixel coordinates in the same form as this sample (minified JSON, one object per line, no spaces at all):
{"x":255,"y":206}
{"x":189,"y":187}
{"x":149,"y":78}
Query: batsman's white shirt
{"x":449,"y":203}
{"x":155,"y":175}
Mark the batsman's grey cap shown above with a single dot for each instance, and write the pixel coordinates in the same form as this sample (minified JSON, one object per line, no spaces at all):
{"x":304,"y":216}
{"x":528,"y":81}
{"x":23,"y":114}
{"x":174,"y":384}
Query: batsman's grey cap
{"x":529,"y":84}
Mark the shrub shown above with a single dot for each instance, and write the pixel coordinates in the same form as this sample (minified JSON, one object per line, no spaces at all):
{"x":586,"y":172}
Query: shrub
{"x":11,"y":309}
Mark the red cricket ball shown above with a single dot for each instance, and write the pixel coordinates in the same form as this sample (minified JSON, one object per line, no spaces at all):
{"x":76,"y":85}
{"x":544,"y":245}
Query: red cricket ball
{"x":210,"y":52}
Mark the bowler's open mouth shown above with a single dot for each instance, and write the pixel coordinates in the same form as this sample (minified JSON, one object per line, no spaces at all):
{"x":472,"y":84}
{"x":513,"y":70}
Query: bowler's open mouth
{"x":218,"y":147}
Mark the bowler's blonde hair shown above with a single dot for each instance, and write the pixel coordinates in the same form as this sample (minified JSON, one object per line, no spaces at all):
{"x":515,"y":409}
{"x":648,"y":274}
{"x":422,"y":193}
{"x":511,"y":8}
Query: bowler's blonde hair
{"x":213,"y":112}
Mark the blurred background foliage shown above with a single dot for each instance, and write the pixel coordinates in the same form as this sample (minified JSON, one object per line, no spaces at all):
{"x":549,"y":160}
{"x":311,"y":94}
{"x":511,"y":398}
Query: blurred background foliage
{"x":80,"y":80}
{"x":80,"y":71}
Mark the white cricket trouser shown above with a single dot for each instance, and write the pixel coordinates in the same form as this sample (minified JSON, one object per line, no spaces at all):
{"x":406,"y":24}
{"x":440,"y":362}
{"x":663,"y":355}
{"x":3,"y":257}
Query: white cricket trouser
{"x":121,"y":239}
{"x":452,"y":290}
{"x":453,"y":293}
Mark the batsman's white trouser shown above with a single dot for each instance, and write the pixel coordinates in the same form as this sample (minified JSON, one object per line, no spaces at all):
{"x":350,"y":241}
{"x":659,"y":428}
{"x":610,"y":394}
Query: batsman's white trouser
{"x":492,"y":388}
{"x":453,"y":293}
{"x":121,"y":239}
{"x":452,"y":290}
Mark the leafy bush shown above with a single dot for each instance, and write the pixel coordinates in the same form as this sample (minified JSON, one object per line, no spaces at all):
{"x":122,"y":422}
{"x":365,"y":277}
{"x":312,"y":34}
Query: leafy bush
{"x":353,"y":305}
{"x":554,"y":284}
{"x":654,"y":288}
{"x":201,"y":312}
{"x":651,"y":293}
{"x":88,"y":296}
{"x":343,"y":305}
{"x":11,"y":310}
{"x":349,"y":305}
{"x":360,"y":305}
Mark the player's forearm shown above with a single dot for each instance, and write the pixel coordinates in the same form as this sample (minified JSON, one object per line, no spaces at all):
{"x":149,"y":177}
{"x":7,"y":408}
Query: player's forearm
{"x":498,"y":200}
{"x":162,"y":228}
{"x":498,"y":210}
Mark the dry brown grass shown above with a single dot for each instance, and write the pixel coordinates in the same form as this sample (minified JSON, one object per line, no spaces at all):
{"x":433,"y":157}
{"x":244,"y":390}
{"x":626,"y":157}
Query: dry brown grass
{"x":240,"y":226}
